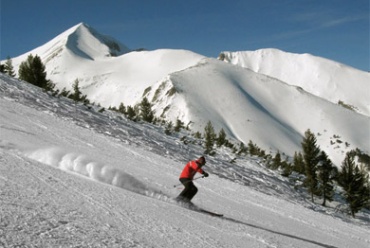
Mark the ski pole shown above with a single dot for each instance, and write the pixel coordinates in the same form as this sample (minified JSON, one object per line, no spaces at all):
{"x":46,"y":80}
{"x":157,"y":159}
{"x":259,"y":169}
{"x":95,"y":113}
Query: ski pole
{"x":177,"y":185}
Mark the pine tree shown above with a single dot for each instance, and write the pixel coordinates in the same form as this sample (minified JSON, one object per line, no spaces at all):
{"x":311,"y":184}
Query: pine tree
{"x":122,"y":108}
{"x":242,"y":149}
{"x":276,"y":162}
{"x":287,"y":168}
{"x":197,"y":135}
{"x":252,"y":148}
{"x":131,"y":113}
{"x":354,"y":183}
{"x":327,"y":174}
{"x":179,"y":125}
{"x":33,"y":71}
{"x":210,"y":137}
{"x":221,"y":139}
{"x":64,"y":92}
{"x":311,"y":154}
{"x":2,"y":68}
{"x":298,"y":163}
{"x":8,"y":67}
{"x":168,"y":129}
{"x":146,"y":112}
{"x":50,"y":86}
{"x":76,"y":96}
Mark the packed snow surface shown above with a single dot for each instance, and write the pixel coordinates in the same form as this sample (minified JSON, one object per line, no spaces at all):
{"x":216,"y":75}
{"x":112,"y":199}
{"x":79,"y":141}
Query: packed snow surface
{"x":73,"y":177}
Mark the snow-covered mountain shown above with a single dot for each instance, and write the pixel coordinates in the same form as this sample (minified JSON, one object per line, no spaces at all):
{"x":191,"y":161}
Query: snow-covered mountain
{"x":80,"y":41}
{"x":325,"y":78}
{"x":84,"y":54}
{"x":250,"y":104}
{"x":71,"y":176}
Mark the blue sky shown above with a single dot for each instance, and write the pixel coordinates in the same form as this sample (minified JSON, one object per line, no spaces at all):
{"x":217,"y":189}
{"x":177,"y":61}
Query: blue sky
{"x":333,"y":29}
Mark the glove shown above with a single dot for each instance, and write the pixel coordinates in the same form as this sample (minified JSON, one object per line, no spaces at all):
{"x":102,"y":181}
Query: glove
{"x":205,"y":174}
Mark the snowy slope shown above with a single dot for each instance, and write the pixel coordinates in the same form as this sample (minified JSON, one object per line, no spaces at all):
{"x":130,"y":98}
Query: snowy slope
{"x":252,"y":106}
{"x":322,"y":77}
{"x":71,"y":177}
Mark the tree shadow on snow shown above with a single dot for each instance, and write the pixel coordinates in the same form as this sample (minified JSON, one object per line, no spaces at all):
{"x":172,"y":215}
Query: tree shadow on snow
{"x":279,"y":233}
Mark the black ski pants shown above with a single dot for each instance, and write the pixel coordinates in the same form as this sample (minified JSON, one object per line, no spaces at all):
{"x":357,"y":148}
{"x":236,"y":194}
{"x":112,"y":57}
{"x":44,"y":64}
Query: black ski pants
{"x":190,"y":190}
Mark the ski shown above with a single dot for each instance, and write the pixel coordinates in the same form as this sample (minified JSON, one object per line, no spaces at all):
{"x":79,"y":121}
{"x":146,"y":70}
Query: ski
{"x":191,"y":206}
{"x":209,"y":212}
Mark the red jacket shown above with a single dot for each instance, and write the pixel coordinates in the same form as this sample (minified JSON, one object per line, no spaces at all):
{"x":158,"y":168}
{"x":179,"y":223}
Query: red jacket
{"x":190,"y":169}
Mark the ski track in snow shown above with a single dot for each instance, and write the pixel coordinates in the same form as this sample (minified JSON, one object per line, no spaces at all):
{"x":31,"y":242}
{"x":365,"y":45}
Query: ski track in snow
{"x":42,"y":223}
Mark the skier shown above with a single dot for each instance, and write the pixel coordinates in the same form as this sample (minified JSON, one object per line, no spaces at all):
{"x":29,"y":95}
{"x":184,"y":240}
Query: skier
{"x":186,"y":178}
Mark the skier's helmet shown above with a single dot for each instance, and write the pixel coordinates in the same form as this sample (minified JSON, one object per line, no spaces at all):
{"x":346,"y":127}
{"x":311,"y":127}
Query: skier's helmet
{"x":201,"y":160}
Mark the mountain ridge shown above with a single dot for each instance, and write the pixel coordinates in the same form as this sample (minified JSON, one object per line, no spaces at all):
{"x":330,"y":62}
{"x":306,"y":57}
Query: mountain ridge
{"x":257,"y":112}
{"x":250,"y":105}
{"x":320,"y":76}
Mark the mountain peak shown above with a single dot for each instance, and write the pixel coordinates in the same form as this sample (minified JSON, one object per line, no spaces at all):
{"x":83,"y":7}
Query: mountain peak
{"x":86,"y":42}
{"x":83,"y":24}
{"x":75,"y":28}
{"x":79,"y":41}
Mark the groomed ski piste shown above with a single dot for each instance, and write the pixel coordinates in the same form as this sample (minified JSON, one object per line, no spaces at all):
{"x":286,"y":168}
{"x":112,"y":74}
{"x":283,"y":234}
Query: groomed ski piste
{"x":71,"y":176}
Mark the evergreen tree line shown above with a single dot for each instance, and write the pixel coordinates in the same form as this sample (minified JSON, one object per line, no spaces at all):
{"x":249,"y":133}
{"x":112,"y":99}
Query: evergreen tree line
{"x":7,"y":68}
{"x":141,"y":112}
{"x":320,"y":175}
{"x":32,"y":70}
{"x":319,"y":172}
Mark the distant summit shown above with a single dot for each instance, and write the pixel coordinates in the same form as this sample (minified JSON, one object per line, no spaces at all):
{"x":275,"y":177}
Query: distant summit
{"x":80,"y":40}
{"x":87,"y":42}
{"x":322,"y":77}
